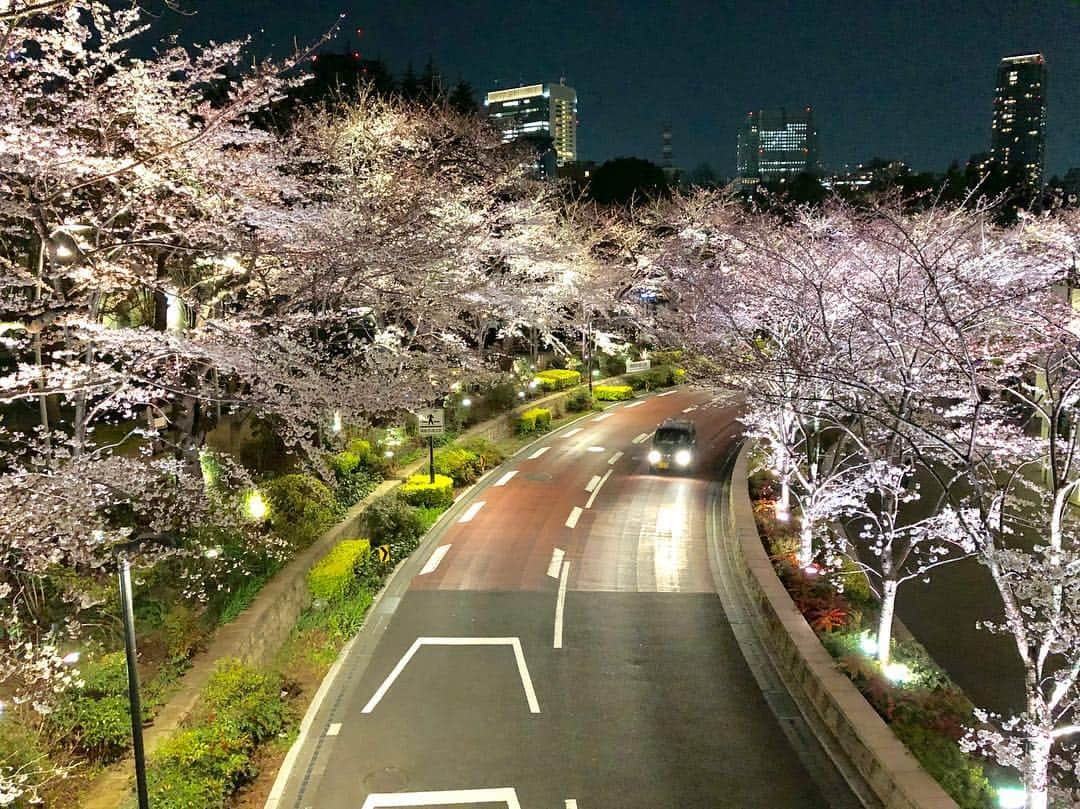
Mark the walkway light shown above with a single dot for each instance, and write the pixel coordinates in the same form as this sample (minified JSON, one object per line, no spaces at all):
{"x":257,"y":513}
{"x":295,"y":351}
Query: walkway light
{"x":868,"y":643}
{"x":466,"y":402}
{"x":898,"y":673}
{"x":255,"y":505}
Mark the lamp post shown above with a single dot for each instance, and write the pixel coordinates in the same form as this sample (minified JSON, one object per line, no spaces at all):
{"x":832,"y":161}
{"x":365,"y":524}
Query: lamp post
{"x":128,"y":613}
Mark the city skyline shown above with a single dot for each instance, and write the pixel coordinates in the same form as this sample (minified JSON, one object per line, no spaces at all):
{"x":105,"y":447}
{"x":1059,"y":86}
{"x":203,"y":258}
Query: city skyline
{"x":914,"y":83}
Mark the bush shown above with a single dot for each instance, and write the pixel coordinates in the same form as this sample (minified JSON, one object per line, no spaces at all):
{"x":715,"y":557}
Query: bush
{"x":613,"y":393}
{"x":501,"y":396}
{"x":579,"y":400}
{"x":656,"y":377}
{"x":390,"y":520}
{"x":301,"y":508}
{"x":428,"y":517}
{"x":204,"y":763}
{"x":556,"y":379}
{"x":96,"y":717}
{"x":458,"y":463}
{"x":671,"y":357}
{"x":488,"y":454}
{"x":534,"y":420}
{"x":417,"y":491}
{"x":245,"y":699}
{"x":183,"y":631}
{"x":958,"y":774}
{"x":334,"y":576}
{"x":678,"y":376}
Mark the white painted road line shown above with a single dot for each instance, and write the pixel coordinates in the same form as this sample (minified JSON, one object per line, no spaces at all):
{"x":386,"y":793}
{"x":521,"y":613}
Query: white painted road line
{"x":690,"y":409}
{"x":642,"y":437}
{"x":569,"y":433}
{"x":592,"y":483}
{"x":519,"y":656}
{"x":596,"y":449}
{"x":505,"y":478}
{"x":575,"y":515}
{"x":468,"y":515}
{"x":538,"y":453}
{"x":435,"y":559}
{"x":603,"y":416}
{"x":634,"y":404}
{"x":448,"y":797}
{"x":596,"y":491}
{"x":560,"y":602}
{"x":557,"y":555}
{"x":334,"y":729}
{"x":662,"y":395}
{"x":570,"y":802}
{"x":614,"y":458}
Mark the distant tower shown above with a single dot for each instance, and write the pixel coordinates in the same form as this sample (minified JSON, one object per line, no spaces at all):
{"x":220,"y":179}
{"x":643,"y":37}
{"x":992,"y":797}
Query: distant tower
{"x":665,"y":151}
{"x":537,"y":109}
{"x":1019,"y":129}
{"x":776,"y":144}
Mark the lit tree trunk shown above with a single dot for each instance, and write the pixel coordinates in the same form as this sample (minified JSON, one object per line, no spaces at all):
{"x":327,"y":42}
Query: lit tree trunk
{"x":1036,"y":775}
{"x":806,"y":540}
{"x":888,"y":608}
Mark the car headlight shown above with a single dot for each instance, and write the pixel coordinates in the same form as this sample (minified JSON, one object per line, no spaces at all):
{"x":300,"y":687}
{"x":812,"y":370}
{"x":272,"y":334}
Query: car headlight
{"x":682,"y":457}
{"x":654,"y":456}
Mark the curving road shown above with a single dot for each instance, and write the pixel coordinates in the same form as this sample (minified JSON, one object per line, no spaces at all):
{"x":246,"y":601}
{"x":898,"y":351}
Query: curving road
{"x":559,"y":643}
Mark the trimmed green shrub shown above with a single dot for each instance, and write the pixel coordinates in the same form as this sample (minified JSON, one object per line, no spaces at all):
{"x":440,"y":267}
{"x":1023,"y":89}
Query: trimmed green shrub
{"x":173,"y":786}
{"x":558,"y":379}
{"x":579,"y":401}
{"x":457,"y":463}
{"x":613,"y":393}
{"x":334,"y":576}
{"x":183,"y":631}
{"x":959,"y":775}
{"x":96,"y":717}
{"x":301,"y":508}
{"x":488,"y":454}
{"x":204,"y":763}
{"x":670,"y":357}
{"x":391,"y":520}
{"x":534,"y":420}
{"x":678,"y":376}
{"x":501,"y":396}
{"x":246,"y":699}
{"x":417,"y":491}
{"x":428,"y":517}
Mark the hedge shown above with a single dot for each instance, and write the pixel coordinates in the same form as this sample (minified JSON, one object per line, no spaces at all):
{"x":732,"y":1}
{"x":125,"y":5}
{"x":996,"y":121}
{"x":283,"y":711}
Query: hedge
{"x":537,"y":419}
{"x":334,"y":576}
{"x":558,"y":379}
{"x":301,"y":508}
{"x":579,"y":400}
{"x":459,"y":464}
{"x":417,"y":491}
{"x":613,"y":393}
{"x":390,"y":520}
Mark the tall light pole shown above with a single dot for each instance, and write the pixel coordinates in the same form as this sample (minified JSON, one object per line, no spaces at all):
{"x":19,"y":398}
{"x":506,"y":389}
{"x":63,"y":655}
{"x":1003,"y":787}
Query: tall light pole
{"x":128,"y":612}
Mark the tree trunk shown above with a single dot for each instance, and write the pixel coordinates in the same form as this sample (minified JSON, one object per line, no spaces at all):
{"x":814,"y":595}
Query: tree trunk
{"x":888,"y":607}
{"x":1036,"y":775}
{"x":806,"y":541}
{"x":783,"y":505}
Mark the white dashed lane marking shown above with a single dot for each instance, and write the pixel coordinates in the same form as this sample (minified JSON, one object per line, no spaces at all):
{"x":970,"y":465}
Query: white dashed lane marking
{"x":505,"y":478}
{"x":569,"y":433}
{"x":538,"y":453}
{"x":473,"y":509}
{"x":575,"y":515}
{"x":614,"y":458}
{"x":435,"y":559}
{"x":642,"y":437}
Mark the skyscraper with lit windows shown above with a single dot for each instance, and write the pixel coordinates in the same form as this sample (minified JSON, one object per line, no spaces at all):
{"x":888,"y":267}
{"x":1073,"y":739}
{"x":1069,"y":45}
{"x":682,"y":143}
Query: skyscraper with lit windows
{"x":775,"y":144}
{"x":537,"y":109}
{"x":1019,"y":128}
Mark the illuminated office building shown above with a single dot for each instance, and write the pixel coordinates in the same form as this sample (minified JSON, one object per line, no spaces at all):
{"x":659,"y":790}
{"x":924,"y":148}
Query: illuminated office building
{"x":1019,"y":129}
{"x":548,"y":110}
{"x":775,"y":144}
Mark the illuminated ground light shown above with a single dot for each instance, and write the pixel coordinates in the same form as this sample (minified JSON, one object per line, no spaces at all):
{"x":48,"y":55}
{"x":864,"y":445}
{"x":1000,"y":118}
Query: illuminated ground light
{"x":867,"y":643}
{"x":812,"y":569}
{"x":335,"y":425}
{"x":255,"y":506}
{"x":1012,"y":797}
{"x":898,"y":673}
{"x":71,"y":658}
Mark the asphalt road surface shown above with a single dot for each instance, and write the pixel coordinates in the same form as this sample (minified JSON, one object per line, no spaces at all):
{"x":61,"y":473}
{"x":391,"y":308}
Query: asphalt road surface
{"x":560,"y":645}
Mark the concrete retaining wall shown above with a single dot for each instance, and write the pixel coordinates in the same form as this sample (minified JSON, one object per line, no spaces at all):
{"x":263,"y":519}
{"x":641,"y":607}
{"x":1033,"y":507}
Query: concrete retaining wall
{"x":820,"y":689}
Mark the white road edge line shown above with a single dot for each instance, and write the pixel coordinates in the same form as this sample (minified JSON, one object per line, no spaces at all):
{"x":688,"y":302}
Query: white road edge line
{"x":614,"y":458}
{"x":634,"y":404}
{"x":473,"y":509}
{"x":641,"y":438}
{"x":569,"y":433}
{"x":596,"y":491}
{"x":592,"y":483}
{"x":515,"y":643}
{"x":390,"y":800}
{"x":560,"y":602}
{"x":334,"y":729}
{"x":505,"y":478}
{"x":557,"y":555}
{"x":538,"y":453}
{"x":435,"y":559}
{"x":575,"y":515}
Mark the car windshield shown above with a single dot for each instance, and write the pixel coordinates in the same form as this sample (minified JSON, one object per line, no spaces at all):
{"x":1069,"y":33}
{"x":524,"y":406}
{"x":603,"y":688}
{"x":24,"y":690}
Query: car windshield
{"x":672,"y":435}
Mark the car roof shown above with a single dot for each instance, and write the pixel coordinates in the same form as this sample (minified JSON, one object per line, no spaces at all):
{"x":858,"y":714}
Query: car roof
{"x":676,"y":424}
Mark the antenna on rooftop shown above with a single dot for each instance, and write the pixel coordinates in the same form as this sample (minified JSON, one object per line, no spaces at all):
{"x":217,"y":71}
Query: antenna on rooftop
{"x":665,"y":149}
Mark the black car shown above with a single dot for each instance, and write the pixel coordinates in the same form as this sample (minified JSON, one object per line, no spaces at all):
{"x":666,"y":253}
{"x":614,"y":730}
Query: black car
{"x":674,"y":445}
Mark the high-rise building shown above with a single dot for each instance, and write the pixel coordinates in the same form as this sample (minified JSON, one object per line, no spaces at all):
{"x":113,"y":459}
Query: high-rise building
{"x":1019,"y":129}
{"x":538,"y":109}
{"x":775,"y":144}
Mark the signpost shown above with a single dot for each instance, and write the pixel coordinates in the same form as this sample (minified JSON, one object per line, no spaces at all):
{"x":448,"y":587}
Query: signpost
{"x":431,"y":424}
{"x":637,"y":365}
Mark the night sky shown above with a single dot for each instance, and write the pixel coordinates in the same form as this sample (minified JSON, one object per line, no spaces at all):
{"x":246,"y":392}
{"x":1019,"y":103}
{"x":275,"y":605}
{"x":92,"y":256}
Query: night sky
{"x":907,"y":79}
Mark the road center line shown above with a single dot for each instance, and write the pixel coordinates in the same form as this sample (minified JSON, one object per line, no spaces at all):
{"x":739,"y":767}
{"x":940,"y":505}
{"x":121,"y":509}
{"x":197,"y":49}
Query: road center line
{"x":435,"y":559}
{"x":614,"y":458}
{"x":560,"y":602}
{"x":446,"y":797}
{"x":592,"y":483}
{"x":468,"y":515}
{"x":596,"y":491}
{"x":575,"y":515}
{"x":634,"y":404}
{"x":538,"y":453}
{"x":519,"y":656}
{"x":505,"y":478}
{"x":557,"y":555}
{"x":334,"y":729}
{"x":569,"y":433}
{"x":642,"y":437}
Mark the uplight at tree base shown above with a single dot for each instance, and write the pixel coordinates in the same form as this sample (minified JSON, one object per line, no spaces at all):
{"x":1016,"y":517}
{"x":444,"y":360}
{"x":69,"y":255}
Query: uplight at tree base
{"x":255,"y":506}
{"x":898,"y":673}
{"x":868,"y":644}
{"x":1012,"y":797}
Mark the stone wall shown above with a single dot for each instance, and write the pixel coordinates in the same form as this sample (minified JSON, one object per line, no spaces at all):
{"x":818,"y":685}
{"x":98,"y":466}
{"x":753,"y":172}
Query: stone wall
{"x":832,"y":702}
